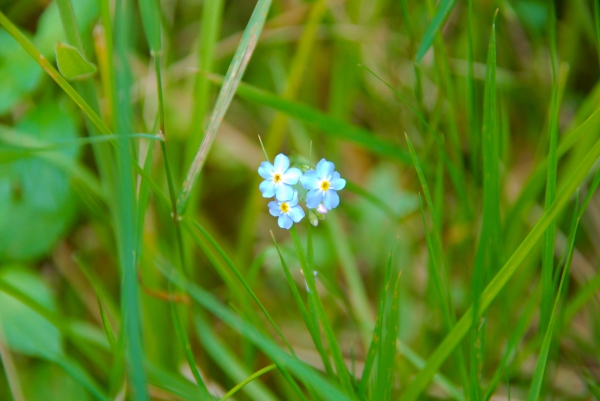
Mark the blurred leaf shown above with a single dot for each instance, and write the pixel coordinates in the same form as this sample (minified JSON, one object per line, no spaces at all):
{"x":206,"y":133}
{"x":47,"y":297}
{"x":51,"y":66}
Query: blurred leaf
{"x":47,"y":381}
{"x":36,"y":198}
{"x":50,"y":31}
{"x":26,"y":331}
{"x":19,"y":74}
{"x":72,"y":64}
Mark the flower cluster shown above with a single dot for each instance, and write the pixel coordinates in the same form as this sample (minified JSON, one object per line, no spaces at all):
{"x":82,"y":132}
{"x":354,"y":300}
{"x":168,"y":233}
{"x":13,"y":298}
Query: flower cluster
{"x":289,"y":186}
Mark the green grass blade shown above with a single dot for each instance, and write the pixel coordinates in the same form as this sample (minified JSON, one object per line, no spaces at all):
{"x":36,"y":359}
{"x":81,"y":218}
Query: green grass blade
{"x":187,"y":349}
{"x":250,"y":378}
{"x":325,"y":123}
{"x":442,"y":381}
{"x":383,"y":388}
{"x":81,"y":376}
{"x":458,"y":179}
{"x":108,"y":330}
{"x":357,"y":293}
{"x":165,"y":380}
{"x":442,"y":12}
{"x":237,"y":273}
{"x":54,"y":74}
{"x":226,"y":359}
{"x":542,"y":362}
{"x":230,"y":84}
{"x":474,"y":140}
{"x":126,"y":210}
{"x":326,"y":389}
{"x":338,"y":359}
{"x":489,"y":253}
{"x":415,"y":388}
{"x":377,"y":331}
{"x":150,"y":12}
{"x":311,"y":324}
{"x":549,"y":237}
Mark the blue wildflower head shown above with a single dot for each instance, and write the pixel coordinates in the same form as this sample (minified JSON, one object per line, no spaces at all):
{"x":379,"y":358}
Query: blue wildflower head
{"x":322,"y":184}
{"x":288,"y":211}
{"x":279,"y":178}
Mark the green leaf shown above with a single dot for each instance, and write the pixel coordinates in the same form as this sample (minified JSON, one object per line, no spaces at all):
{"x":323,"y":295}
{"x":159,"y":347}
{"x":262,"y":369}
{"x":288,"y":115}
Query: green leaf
{"x":36,"y":198}
{"x":19,"y":74}
{"x":72,"y":64}
{"x":25,"y":330}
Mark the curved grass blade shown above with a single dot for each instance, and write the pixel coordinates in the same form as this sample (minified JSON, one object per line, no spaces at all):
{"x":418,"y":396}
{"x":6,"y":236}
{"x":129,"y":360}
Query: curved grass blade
{"x":250,"y":378}
{"x":326,"y":389}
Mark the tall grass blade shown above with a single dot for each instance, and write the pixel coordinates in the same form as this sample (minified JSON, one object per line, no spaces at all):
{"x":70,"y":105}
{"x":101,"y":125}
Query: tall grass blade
{"x":415,"y":388}
{"x":243,"y":281}
{"x":443,"y":10}
{"x":307,"y":268}
{"x":126,"y":209}
{"x":53,"y":73}
{"x":548,"y":244}
{"x":325,"y":388}
{"x":543,"y":359}
{"x":311,"y":324}
{"x":489,"y":253}
{"x":232,"y":79}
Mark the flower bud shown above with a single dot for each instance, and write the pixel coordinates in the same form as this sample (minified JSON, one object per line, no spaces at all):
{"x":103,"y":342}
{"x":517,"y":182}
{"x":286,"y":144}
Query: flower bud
{"x":313,"y":218}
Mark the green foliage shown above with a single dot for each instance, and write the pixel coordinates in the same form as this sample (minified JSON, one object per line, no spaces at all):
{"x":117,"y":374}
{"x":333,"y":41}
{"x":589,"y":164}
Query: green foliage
{"x":138,"y":259}
{"x":71,"y":64}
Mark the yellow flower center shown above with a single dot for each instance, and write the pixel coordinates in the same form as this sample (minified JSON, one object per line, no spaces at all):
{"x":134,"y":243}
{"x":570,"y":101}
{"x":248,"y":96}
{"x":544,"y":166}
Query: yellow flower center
{"x":284,"y":207}
{"x":277,"y":177}
{"x":325,"y":185}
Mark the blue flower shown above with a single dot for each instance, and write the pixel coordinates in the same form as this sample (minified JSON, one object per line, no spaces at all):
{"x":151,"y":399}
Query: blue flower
{"x":278,"y":178}
{"x":288,"y":211}
{"x":322,"y":185}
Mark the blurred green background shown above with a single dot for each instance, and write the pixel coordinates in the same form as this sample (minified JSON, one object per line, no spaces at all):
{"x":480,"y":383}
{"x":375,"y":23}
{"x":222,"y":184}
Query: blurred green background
{"x":86,"y":227}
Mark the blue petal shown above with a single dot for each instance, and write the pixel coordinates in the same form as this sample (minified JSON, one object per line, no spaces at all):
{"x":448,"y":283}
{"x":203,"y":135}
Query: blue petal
{"x":283,"y":192}
{"x":284,"y":221}
{"x":325,"y":169}
{"x":265,"y":170}
{"x":291,"y":176}
{"x":309,"y":180}
{"x":331,"y":199}
{"x":281,"y":163}
{"x":313,"y":198}
{"x":274,"y":208}
{"x":267,"y":188}
{"x":296,"y":213}
{"x":294,"y":200}
{"x":336,"y":182}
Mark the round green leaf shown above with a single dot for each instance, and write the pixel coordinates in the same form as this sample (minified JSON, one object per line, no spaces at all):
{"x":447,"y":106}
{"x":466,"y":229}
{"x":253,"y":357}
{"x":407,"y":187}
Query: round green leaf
{"x":25,"y":330}
{"x":19,"y":74}
{"x":71,"y":64}
{"x":36,"y":200}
